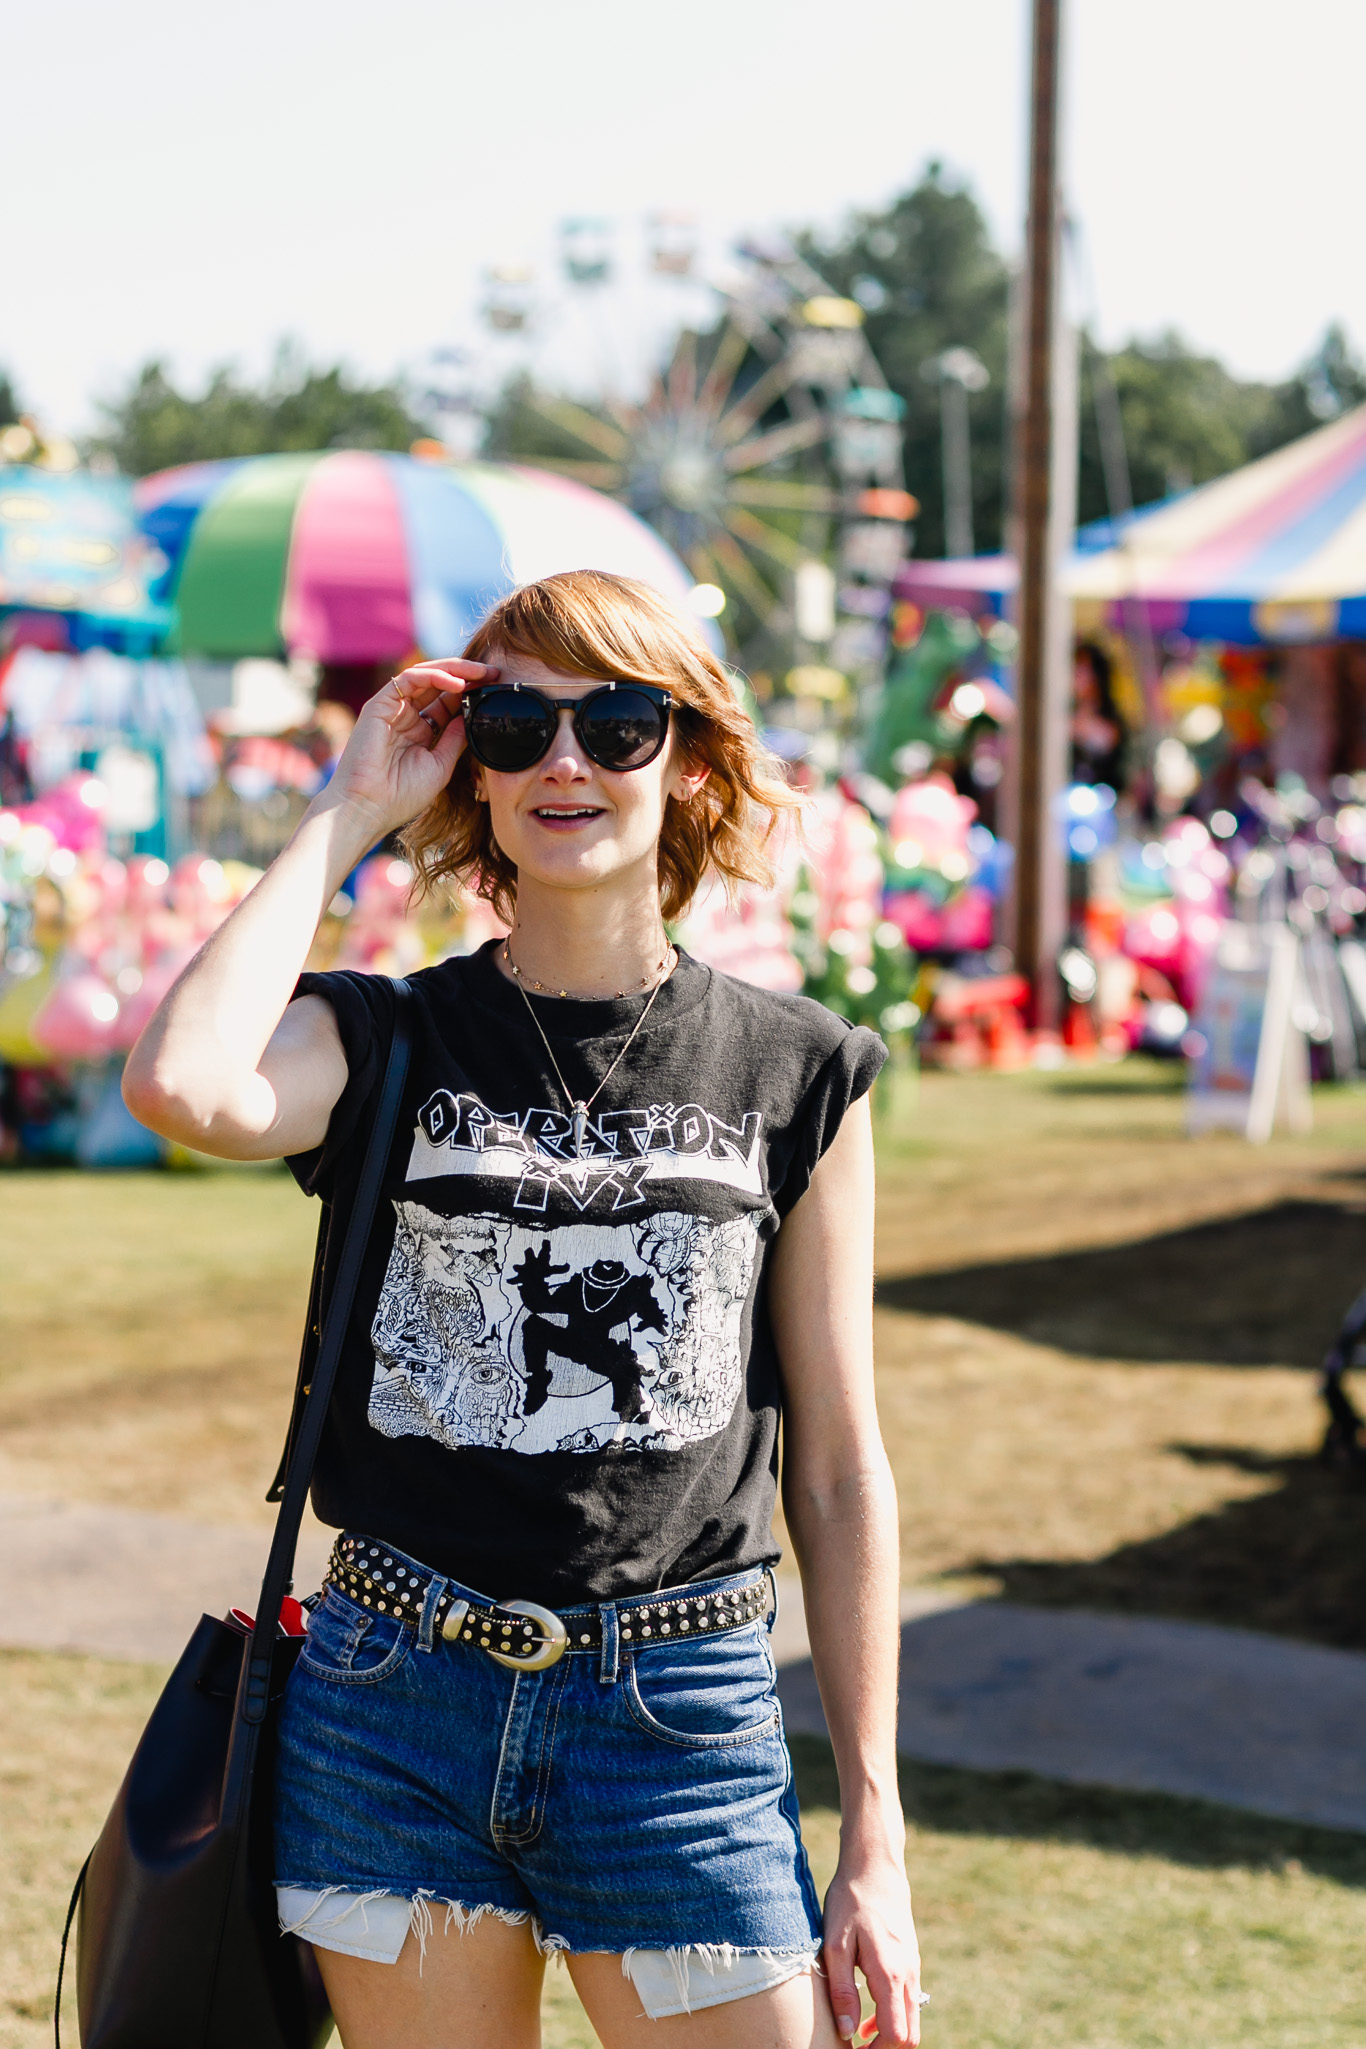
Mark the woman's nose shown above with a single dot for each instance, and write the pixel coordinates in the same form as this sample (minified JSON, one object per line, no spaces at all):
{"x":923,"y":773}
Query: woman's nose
{"x":564,"y":761}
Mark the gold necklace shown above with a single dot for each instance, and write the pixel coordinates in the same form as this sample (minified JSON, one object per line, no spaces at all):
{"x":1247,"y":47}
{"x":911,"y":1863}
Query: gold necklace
{"x":579,"y":1107}
{"x":542,"y":989}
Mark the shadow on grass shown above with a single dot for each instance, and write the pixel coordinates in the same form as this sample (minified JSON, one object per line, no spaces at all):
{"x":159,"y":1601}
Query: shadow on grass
{"x":1193,"y":1832}
{"x":1268,"y":1288}
{"x":1166,"y":1080}
{"x":1291,"y":1560}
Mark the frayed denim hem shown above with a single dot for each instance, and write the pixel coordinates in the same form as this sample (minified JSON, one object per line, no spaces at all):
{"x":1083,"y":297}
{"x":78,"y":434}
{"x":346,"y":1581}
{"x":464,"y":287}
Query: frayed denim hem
{"x":375,"y":1924}
{"x":690,"y":1977}
{"x":314,"y":1923}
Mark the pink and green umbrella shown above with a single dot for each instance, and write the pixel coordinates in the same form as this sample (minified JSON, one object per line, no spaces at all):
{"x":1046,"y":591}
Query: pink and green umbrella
{"x":354,"y":556}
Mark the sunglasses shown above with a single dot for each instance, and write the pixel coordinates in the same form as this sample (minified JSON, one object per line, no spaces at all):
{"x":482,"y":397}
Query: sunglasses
{"x":619,"y":725}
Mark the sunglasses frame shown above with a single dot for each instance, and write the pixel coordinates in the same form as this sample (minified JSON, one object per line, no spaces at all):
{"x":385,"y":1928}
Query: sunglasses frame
{"x":662,"y":699}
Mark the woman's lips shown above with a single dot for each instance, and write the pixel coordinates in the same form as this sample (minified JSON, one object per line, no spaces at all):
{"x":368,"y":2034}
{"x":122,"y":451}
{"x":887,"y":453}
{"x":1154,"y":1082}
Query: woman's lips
{"x":562,"y":818}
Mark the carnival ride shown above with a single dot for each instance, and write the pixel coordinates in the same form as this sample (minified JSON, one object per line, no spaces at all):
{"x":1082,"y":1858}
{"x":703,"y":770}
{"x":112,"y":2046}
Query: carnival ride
{"x":766,"y":450}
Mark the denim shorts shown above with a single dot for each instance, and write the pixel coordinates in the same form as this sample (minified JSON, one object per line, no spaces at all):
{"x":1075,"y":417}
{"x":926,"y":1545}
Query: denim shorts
{"x":628,"y":1797}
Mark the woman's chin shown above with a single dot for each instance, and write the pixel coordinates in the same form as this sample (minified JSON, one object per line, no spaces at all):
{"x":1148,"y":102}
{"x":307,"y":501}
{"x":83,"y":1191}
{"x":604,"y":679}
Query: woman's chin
{"x":582,"y":862}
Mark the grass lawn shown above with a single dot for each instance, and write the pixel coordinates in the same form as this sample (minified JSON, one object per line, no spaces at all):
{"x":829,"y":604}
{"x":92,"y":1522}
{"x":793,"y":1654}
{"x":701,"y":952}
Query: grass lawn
{"x":1093,"y":1338}
{"x":1049,"y":1915}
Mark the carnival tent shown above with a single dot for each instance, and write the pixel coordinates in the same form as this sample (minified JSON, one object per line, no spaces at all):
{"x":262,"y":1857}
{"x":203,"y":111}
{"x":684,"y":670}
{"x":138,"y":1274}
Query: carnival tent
{"x":1274,"y":552}
{"x":353,"y":556}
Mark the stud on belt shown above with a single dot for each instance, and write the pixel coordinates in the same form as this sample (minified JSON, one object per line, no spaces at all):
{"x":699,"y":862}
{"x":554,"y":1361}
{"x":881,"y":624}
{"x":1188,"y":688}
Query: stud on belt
{"x":521,"y":1634}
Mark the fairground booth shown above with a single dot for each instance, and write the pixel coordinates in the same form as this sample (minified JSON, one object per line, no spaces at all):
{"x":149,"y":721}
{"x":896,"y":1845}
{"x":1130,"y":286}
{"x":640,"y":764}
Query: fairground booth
{"x":1217,"y":735}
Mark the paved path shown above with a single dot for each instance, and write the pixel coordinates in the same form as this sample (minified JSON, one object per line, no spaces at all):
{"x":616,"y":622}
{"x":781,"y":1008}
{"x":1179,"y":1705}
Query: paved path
{"x":1169,"y":1707}
{"x":1251,"y":1721}
{"x":125,"y":1585}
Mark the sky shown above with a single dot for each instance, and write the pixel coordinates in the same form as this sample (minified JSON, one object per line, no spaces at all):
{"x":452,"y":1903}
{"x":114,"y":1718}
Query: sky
{"x":195,"y":182}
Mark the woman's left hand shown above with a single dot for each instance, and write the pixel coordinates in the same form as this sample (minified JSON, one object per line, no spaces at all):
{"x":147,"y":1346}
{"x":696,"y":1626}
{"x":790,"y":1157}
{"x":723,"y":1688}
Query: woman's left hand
{"x":869,"y":1924}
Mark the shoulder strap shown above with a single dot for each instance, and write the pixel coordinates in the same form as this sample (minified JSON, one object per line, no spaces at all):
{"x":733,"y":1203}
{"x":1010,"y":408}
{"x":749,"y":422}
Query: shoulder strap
{"x":76,"y":1891}
{"x":280,"y":1565}
{"x":308,"y":1352}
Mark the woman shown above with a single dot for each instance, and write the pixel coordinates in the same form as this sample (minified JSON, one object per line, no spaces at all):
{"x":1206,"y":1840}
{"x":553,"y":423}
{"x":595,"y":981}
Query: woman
{"x":629,"y":1219}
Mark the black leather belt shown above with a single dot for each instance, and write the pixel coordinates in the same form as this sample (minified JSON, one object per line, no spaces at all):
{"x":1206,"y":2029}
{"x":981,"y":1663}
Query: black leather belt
{"x":522,"y":1634}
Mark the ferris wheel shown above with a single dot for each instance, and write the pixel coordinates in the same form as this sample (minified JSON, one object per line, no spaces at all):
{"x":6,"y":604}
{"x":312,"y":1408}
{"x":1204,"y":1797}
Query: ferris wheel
{"x":767,"y":452}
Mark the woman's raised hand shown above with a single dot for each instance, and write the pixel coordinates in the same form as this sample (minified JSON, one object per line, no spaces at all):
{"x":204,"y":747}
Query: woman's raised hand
{"x":407,"y":740}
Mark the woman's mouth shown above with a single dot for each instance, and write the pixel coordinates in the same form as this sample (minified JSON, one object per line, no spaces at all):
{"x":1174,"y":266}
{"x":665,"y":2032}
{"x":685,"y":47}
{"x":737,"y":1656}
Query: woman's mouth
{"x":566,"y":814}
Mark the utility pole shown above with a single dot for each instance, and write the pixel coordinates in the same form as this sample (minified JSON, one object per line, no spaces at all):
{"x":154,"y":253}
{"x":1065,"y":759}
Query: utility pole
{"x":1042,"y":502}
{"x":957,"y":372}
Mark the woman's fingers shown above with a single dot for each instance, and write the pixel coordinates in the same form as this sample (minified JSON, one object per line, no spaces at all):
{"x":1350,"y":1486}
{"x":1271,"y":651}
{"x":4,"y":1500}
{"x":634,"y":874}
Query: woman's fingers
{"x":892,"y":2007}
{"x":431,"y":679}
{"x":449,"y":744}
{"x":844,"y":1996}
{"x":456,"y":666}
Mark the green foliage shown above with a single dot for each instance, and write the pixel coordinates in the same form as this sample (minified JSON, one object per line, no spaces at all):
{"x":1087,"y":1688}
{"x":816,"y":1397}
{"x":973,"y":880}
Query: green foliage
{"x":153,"y":424}
{"x":1188,"y":419}
{"x":9,"y":401}
{"x":867,"y":981}
{"x":930,"y":280}
{"x":518,"y":430}
{"x":1327,"y":384}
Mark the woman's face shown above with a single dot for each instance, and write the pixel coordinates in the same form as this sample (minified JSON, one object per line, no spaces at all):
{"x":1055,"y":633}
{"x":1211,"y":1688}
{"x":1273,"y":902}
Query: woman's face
{"x":565,"y":823}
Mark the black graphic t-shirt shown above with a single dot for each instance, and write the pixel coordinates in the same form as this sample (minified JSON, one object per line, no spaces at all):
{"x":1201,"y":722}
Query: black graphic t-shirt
{"x":560,"y":1379}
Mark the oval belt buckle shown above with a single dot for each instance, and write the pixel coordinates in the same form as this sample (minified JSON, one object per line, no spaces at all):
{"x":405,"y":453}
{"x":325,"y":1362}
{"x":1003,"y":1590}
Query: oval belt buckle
{"x":552,"y":1649}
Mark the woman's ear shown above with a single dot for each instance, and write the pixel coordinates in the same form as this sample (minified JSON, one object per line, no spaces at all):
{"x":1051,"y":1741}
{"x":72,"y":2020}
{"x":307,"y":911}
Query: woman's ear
{"x":687,"y":779}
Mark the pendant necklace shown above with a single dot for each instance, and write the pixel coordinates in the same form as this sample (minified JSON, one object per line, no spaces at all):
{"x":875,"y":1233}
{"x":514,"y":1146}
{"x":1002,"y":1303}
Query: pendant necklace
{"x":579,"y":1106}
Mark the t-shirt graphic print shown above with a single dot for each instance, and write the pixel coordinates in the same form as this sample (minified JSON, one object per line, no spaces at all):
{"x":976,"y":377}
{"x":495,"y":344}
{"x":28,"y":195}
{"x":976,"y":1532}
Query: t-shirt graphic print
{"x":560,"y":1379}
{"x":495,"y":1333}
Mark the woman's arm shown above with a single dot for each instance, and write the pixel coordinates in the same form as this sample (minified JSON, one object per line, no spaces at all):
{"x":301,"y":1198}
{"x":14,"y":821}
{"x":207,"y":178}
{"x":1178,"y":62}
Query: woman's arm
{"x":226,"y":1063}
{"x":840,"y":1504}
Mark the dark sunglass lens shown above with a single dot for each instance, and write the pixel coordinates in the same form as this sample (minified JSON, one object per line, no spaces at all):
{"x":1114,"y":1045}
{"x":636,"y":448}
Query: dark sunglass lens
{"x":622,"y":728}
{"x":507,"y":729}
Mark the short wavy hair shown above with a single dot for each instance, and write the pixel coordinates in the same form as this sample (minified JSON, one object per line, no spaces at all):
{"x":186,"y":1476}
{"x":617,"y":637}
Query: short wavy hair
{"x":587,"y":623}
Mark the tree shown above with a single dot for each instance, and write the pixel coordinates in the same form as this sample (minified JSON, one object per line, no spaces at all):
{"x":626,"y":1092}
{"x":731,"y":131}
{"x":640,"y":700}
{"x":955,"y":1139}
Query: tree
{"x":1187,"y":419}
{"x":1330,"y":381}
{"x":9,"y":403}
{"x":153,"y":424}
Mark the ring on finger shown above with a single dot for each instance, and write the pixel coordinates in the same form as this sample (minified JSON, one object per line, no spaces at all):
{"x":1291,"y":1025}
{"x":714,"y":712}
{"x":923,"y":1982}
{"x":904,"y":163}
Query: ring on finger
{"x":428,"y":720}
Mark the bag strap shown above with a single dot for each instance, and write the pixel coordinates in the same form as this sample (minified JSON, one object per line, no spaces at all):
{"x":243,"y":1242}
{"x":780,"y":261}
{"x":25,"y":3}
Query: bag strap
{"x":255,"y":1692}
{"x":308,"y":1352}
{"x":76,"y":1892}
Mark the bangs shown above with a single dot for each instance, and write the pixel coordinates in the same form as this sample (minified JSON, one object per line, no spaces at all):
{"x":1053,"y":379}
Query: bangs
{"x":589,"y":624}
{"x":586,"y":623}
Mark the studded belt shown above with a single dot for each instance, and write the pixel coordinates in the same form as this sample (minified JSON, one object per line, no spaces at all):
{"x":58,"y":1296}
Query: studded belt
{"x":522,"y":1634}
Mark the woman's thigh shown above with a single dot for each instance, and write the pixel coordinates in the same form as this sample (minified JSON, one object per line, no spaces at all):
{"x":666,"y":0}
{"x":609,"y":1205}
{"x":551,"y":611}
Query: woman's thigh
{"x":473,"y":1987}
{"x":793,"y":2015}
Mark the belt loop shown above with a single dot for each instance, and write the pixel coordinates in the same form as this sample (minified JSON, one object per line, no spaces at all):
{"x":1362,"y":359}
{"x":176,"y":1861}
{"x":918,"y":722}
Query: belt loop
{"x":773,"y":1589}
{"x":436,"y":1587}
{"x":607,"y":1668}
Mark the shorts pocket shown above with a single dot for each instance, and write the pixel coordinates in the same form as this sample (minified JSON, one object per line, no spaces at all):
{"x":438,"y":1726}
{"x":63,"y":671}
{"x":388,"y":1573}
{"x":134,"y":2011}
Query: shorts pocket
{"x":351,"y":1645}
{"x":716,"y":1691}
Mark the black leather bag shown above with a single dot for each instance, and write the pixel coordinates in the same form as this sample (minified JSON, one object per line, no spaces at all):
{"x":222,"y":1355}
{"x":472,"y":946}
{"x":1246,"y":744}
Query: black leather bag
{"x":178,"y":1942}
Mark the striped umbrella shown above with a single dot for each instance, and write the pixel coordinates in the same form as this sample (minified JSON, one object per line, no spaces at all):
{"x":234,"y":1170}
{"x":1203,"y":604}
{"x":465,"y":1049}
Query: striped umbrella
{"x":353,"y":556}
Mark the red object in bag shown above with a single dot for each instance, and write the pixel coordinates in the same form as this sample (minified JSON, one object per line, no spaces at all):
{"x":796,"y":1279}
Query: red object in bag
{"x":293,"y":1618}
